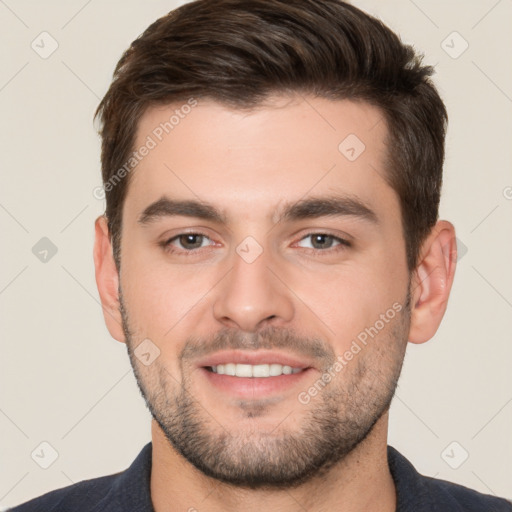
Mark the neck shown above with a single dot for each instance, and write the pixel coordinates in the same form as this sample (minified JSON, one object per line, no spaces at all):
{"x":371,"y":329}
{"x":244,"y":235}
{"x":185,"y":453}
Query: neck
{"x":360,"y":482}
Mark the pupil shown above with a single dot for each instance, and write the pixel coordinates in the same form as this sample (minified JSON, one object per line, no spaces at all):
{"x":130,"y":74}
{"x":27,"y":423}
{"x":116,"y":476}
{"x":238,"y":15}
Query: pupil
{"x":321,"y":240}
{"x":191,"y":240}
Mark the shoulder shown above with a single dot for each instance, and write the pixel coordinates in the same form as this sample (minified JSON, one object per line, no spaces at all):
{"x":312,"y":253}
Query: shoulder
{"x":467,"y":499}
{"x":85,"y":495}
{"x":126,"y":490}
{"x":416,"y":492}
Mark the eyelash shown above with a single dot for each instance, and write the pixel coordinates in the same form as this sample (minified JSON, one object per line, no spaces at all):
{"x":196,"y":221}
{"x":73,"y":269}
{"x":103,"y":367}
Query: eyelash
{"x":342,"y":244}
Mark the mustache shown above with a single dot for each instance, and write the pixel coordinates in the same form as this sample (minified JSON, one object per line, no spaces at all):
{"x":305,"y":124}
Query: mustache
{"x":268,"y":338}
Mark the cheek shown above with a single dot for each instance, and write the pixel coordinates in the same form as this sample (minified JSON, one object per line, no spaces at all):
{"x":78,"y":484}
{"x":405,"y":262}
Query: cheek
{"x":162,"y":298}
{"x":344,"y":302}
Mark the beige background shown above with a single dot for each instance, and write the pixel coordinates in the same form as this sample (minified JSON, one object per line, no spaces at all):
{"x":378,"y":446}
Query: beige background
{"x":63,"y":380}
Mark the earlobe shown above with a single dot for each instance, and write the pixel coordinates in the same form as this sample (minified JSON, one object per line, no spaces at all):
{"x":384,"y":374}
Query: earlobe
{"x":432,"y":282}
{"x":107,"y":279}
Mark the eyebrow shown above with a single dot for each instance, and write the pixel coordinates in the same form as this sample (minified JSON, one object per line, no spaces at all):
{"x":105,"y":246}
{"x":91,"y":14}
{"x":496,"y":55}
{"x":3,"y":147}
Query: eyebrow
{"x":308,"y":208}
{"x":330,"y":206}
{"x":166,"y":207}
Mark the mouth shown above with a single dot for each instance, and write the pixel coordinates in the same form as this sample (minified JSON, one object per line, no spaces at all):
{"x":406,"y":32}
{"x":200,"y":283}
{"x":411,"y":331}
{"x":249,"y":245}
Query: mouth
{"x":254,"y":371}
{"x":256,"y":375}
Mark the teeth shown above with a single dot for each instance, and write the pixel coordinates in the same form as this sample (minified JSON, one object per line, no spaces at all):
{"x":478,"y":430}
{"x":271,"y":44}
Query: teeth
{"x":257,"y":370}
{"x":275,"y":369}
{"x":243,"y":370}
{"x":230,"y":369}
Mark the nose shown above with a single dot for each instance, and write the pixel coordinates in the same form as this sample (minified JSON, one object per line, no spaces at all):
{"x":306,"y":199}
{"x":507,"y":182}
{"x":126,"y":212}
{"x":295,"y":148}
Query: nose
{"x":252,"y":296}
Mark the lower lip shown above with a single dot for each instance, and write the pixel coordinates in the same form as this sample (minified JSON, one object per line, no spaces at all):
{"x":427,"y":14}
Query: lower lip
{"x":254,"y":387}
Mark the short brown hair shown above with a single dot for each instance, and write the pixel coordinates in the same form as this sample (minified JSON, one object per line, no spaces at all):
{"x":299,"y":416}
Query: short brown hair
{"x":239,"y":52}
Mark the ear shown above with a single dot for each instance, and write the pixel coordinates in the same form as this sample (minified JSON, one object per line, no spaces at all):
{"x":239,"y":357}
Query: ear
{"x":107,"y":279}
{"x":432,"y":281}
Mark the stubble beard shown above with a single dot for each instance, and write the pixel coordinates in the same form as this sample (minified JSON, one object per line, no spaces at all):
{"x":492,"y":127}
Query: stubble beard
{"x":336,"y":421}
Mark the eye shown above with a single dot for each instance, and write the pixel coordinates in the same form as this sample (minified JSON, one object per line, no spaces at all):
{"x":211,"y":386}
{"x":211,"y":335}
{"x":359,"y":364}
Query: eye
{"x":187,"y":242}
{"x":190,"y":243}
{"x":323,"y":241}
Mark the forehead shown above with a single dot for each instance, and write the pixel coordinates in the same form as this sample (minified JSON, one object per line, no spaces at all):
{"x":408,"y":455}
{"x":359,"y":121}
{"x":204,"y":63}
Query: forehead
{"x":282,"y":150}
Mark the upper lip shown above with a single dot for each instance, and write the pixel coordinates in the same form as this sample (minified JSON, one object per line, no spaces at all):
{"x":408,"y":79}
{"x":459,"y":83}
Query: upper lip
{"x":254,"y":358}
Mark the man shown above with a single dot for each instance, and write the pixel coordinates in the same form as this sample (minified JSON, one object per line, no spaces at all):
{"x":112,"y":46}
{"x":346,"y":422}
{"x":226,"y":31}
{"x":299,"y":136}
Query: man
{"x":271,"y":243}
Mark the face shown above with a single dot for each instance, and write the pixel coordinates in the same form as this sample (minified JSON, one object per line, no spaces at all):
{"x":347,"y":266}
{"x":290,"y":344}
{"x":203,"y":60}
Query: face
{"x":263,"y":269}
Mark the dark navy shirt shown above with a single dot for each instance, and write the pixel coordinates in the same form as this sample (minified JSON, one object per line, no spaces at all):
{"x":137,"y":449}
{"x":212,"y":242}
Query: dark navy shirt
{"x":129,"y":491}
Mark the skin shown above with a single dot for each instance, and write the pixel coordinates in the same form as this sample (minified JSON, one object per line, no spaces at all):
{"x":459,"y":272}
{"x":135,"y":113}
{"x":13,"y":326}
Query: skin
{"x":249,"y":164}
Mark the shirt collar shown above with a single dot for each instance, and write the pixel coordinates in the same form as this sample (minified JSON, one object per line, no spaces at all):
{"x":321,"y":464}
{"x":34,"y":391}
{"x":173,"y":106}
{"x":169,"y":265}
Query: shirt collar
{"x":131,"y":490}
{"x":411,"y":493}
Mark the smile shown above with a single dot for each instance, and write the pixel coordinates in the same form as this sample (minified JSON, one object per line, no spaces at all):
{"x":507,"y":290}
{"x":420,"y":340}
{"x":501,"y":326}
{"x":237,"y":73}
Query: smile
{"x":257,"y":370}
